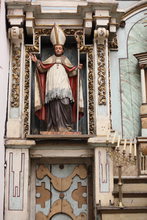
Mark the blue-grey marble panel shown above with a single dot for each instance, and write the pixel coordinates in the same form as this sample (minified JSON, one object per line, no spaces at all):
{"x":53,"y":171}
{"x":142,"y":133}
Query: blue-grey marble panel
{"x":130,"y":80}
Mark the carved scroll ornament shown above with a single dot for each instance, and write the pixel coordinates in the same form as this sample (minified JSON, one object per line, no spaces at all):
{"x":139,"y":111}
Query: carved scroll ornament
{"x":101,"y":75}
{"x":101,"y":34}
{"x":15,"y":86}
{"x":15,"y":35}
{"x":113,"y":43}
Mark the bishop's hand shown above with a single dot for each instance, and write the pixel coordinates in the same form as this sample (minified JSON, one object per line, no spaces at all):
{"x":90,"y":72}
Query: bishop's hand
{"x":80,"y":66}
{"x":33,"y":57}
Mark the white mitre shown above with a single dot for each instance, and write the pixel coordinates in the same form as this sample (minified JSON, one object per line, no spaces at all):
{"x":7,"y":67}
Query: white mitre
{"x":57,"y":35}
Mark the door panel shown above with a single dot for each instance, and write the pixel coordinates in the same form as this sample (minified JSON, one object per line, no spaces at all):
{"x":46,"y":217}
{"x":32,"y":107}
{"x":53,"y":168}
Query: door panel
{"x":61,"y":192}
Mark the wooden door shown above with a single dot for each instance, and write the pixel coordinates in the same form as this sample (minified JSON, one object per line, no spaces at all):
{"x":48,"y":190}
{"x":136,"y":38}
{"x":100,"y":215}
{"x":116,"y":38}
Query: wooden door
{"x":62,"y":192}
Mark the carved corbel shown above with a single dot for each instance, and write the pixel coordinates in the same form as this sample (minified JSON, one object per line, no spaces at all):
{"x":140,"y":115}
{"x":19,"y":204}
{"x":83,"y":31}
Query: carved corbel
{"x":15,"y":34}
{"x":100,"y":35}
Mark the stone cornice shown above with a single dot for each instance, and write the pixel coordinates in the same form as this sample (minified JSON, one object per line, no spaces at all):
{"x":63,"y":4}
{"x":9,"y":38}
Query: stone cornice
{"x":139,"y":6}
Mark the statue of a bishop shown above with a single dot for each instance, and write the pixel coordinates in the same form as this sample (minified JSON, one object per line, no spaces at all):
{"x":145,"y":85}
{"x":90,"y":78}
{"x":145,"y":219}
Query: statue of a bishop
{"x":56,"y":86}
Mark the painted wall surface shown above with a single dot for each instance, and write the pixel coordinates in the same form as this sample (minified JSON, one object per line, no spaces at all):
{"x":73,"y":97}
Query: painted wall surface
{"x":4,"y":60}
{"x":132,"y":40}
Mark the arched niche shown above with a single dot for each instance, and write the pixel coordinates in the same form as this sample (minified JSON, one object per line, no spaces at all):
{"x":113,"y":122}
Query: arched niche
{"x":42,"y":48}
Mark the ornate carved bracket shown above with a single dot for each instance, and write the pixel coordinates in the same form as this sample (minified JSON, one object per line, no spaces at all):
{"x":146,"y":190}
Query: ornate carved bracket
{"x":100,"y":35}
{"x":15,"y":33}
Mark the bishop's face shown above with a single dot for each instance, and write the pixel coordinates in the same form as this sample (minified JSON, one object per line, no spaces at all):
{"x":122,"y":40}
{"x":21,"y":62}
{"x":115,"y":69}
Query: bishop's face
{"x":58,"y":50}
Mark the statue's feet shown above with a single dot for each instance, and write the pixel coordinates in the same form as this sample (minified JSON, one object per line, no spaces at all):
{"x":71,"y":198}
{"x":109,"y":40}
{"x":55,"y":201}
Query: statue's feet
{"x":67,"y":129}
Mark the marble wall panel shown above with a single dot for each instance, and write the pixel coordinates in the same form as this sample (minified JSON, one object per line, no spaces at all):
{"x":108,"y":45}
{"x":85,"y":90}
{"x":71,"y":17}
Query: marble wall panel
{"x":130,"y":80}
